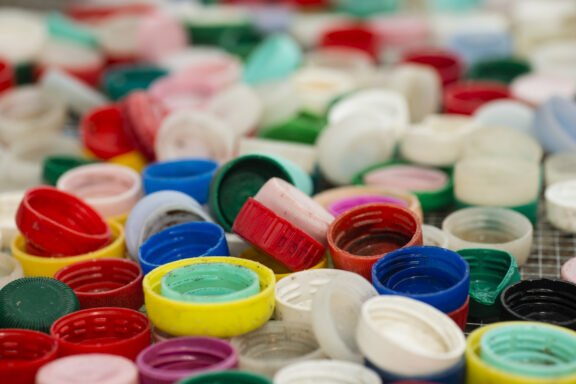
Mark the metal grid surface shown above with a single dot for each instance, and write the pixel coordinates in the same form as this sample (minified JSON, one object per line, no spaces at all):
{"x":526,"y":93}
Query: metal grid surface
{"x":550,"y":249}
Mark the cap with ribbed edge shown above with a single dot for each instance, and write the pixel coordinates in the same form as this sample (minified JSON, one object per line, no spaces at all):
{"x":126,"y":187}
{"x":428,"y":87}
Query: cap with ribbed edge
{"x":35,"y":303}
{"x":243,"y":177}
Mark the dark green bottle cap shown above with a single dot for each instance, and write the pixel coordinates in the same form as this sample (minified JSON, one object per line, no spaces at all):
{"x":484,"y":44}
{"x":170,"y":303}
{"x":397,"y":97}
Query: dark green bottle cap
{"x":227,"y":377}
{"x":55,"y":166}
{"x":303,"y":128}
{"x":502,"y":70}
{"x":35,"y":303}
{"x":240,"y":43}
{"x":122,"y":80}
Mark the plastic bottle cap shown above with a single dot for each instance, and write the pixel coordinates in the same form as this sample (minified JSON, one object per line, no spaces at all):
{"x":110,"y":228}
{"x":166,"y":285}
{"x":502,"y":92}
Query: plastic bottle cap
{"x":159,"y":35}
{"x":434,"y":236}
{"x":502,"y":70}
{"x":102,"y":132}
{"x":55,"y":166}
{"x":489,"y":227}
{"x":24,"y":353}
{"x":361,"y":236}
{"x":545,"y":300}
{"x":158,"y":211}
{"x":117,"y":331}
{"x":295,"y":206}
{"x":15,"y":22}
{"x":209,"y":319}
{"x":335,"y":321}
{"x":560,"y":205}
{"x":178,"y":358}
{"x":491,"y":271}
{"x":94,"y":368}
{"x":239,"y":107}
{"x":436,"y":276}
{"x":35,"y":303}
{"x":274,"y":346}
{"x":191,"y":177}
{"x":466,"y":97}
{"x":111,"y":189}
{"x":180,"y":241}
{"x":227,"y":377}
{"x":283,"y":241}
{"x":448,"y":65}
{"x":56,"y":223}
{"x":189,"y":134}
{"x":506,"y":113}
{"x":105,"y":283}
{"x":415,"y":338}
{"x":303,"y":155}
{"x":143,"y":114}
{"x":209,"y":283}
{"x":326,"y":371}
{"x":277,"y":57}
{"x":243,"y":177}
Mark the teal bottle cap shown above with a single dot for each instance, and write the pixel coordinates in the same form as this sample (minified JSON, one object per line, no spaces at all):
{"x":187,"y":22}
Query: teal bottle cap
{"x":274,"y":59}
{"x":530,"y":350}
{"x":210,"y":283}
{"x":35,"y":303}
{"x":491,"y":271}
{"x":61,"y":27}
{"x":243,"y":177}
{"x":122,"y":80}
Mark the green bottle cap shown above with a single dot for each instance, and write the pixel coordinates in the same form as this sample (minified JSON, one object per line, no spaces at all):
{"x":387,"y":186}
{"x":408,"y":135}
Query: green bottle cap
{"x":303,"y":128}
{"x":120,"y":81}
{"x":503,"y":70}
{"x":240,"y":43}
{"x":243,"y":177}
{"x":530,"y":210}
{"x":55,"y":166}
{"x":276,"y":58}
{"x":35,"y":303}
{"x":491,"y":271}
{"x":227,"y":377}
{"x":63,"y":28}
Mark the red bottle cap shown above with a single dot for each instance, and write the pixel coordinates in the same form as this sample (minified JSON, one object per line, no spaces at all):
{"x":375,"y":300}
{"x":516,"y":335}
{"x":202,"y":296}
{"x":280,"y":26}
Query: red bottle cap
{"x":95,"y":12}
{"x":447,"y":64}
{"x":117,"y":331}
{"x":6,"y":76}
{"x":358,"y":37}
{"x":23,"y":353}
{"x":460,"y":316}
{"x":466,"y":97}
{"x":143,"y":115}
{"x":277,"y":237}
{"x":362,"y":235}
{"x":56,"y":223}
{"x":102,"y":132}
{"x":105,"y":283}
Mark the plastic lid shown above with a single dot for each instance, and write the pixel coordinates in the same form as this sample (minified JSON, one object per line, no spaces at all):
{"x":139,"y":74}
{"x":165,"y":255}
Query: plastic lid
{"x":491,"y":271}
{"x":433,"y":275}
{"x":210,"y":283}
{"x":35,"y":303}
{"x":283,"y":240}
{"x":102,"y":132}
{"x":93,"y":368}
{"x":55,"y":166}
{"x":121,"y":81}
{"x":227,"y":377}
{"x":466,"y":97}
{"x":105,"y":283}
{"x":302,"y":128}
{"x":191,"y":177}
{"x":276,"y":58}
{"x":501,"y":70}
{"x":545,"y":300}
{"x":182,"y":357}
{"x":182,"y":241}
{"x":243,"y":177}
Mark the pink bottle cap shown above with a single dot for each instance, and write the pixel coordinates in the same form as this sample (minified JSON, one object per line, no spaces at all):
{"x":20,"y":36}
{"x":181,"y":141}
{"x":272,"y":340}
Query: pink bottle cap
{"x":343,"y":205}
{"x":158,"y":36}
{"x":407,"y":178}
{"x":89,"y":369}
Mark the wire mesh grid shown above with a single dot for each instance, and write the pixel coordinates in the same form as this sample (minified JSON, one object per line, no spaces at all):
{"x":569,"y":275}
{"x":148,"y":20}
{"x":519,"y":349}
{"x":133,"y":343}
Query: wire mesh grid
{"x":550,"y":249}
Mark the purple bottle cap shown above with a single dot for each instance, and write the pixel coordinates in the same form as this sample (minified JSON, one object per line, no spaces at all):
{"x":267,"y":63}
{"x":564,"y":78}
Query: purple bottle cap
{"x":343,"y":205}
{"x":172,"y":360}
